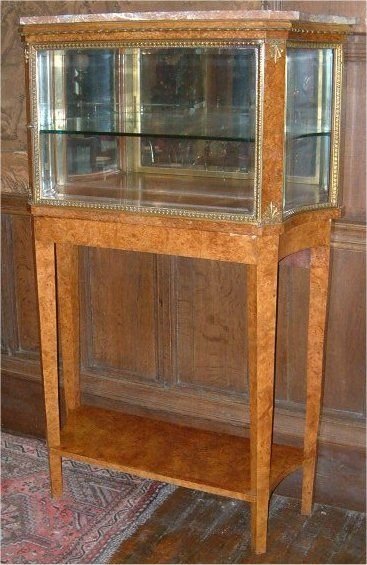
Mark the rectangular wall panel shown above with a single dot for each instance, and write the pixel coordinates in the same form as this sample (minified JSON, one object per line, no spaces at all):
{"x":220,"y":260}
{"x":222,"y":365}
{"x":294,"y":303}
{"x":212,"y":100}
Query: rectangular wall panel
{"x":119,"y":313}
{"x":210,"y":306}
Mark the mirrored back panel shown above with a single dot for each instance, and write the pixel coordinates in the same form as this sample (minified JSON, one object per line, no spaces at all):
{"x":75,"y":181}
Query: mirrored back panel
{"x":163,"y":128}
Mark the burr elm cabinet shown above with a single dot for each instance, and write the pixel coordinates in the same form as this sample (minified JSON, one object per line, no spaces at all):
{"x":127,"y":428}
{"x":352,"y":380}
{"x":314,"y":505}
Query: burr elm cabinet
{"x":211,"y":135}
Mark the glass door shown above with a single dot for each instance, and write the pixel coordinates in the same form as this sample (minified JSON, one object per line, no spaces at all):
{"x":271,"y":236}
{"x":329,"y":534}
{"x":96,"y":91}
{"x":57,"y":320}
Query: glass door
{"x":164,"y":129}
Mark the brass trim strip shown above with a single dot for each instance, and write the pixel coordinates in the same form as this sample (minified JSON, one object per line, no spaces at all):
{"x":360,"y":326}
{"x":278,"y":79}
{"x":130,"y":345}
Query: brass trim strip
{"x":294,"y":211}
{"x":335,"y":138}
{"x":243,"y":218}
{"x":32,"y":59}
{"x":28,"y":31}
{"x":322,"y":31}
{"x":259,"y":132}
{"x":146,"y":43}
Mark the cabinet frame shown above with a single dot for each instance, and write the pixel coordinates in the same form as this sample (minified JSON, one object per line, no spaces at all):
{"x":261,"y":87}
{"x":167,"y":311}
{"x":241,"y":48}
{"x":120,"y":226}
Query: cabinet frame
{"x":244,"y":469}
{"x":56,"y":243}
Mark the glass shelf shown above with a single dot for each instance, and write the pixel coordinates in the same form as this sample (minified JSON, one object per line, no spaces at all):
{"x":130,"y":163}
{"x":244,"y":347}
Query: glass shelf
{"x":302,"y":134}
{"x":153,"y":128}
{"x":221,"y":125}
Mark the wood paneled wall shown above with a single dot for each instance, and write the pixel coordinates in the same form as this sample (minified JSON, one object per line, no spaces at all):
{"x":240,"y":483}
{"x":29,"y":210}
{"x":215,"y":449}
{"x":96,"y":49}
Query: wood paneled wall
{"x":168,"y":333}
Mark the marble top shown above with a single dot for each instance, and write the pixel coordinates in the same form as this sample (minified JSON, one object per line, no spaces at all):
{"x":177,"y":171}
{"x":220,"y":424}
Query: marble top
{"x":242,"y":15}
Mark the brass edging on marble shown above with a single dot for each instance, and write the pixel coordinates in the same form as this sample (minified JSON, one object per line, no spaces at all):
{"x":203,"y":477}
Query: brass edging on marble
{"x":28,"y":32}
{"x":321,"y":31}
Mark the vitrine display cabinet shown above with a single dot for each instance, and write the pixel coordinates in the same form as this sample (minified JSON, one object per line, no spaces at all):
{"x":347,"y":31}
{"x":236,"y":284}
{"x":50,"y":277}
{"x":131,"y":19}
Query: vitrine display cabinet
{"x":210,"y":135}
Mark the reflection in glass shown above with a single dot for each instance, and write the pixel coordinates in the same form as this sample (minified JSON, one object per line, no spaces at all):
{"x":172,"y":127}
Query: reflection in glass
{"x":210,"y":92}
{"x":308,"y":126}
{"x":143,"y":126}
{"x":77,"y":87}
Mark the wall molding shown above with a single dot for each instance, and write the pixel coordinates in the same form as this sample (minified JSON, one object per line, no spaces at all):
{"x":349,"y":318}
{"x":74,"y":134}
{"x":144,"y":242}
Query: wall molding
{"x":24,"y":367}
{"x":355,"y":49}
{"x":15,"y":204}
{"x":345,"y":234}
{"x":10,"y":337}
{"x":349,"y":235}
{"x":232,"y":412}
{"x":15,"y":172}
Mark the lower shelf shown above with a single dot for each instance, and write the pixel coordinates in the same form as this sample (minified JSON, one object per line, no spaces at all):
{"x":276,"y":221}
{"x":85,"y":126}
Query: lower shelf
{"x":208,"y":461}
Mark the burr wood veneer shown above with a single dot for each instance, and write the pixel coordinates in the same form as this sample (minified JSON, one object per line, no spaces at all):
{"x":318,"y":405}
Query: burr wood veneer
{"x":247,"y":469}
{"x":213,"y":462}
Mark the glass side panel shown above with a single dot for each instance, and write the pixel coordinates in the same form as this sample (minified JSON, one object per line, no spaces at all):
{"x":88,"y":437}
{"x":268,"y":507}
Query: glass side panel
{"x":131,"y":126}
{"x":308,"y":127}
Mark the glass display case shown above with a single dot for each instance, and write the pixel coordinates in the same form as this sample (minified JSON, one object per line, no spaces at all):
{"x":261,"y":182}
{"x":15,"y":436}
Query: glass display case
{"x":206,"y":135}
{"x":310,"y":127}
{"x":176,"y":128}
{"x":168,"y":129}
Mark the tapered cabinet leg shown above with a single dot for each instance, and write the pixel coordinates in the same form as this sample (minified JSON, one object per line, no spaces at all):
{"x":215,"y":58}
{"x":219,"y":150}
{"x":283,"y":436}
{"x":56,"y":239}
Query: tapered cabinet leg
{"x":319,"y":282}
{"x":68,"y":307}
{"x":259,"y":523}
{"x":262,"y":298}
{"x":55,"y":464}
{"x":45,"y":275}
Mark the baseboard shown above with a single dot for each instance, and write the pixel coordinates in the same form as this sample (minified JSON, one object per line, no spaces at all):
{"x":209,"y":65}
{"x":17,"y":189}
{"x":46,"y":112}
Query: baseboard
{"x":212,"y":410}
{"x":340,"y":470}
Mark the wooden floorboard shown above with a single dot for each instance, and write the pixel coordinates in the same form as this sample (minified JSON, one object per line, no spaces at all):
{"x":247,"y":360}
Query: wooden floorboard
{"x":194,"y":527}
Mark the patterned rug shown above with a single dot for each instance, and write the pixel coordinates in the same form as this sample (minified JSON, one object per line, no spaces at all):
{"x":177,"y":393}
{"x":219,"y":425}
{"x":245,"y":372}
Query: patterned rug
{"x":99,"y":509}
